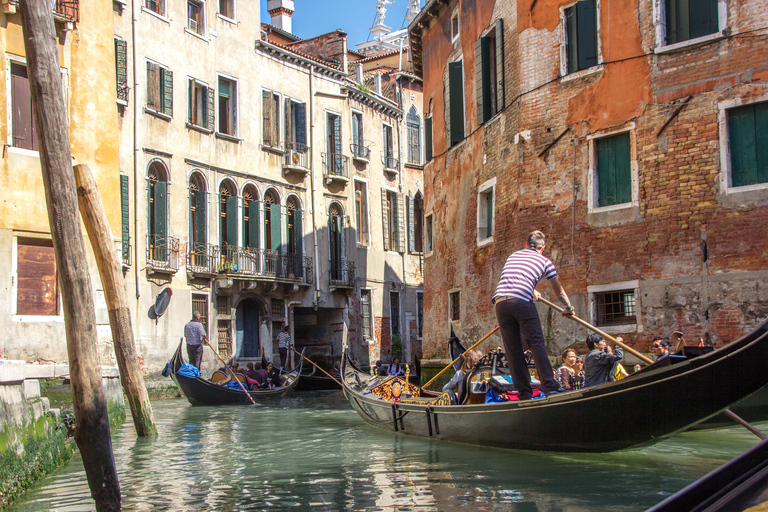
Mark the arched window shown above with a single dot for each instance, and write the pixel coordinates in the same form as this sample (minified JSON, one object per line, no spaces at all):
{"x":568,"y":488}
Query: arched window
{"x":336,"y":240}
{"x":272,"y":220}
{"x":227,"y":218}
{"x":295,"y":236}
{"x":250,"y":217}
{"x":418,"y":223}
{"x":157,"y":221}
{"x":198,"y":220}
{"x":413,"y":126}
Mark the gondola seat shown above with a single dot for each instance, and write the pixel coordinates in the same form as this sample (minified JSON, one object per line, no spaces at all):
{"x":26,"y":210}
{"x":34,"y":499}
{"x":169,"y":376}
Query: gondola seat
{"x":219,"y":377}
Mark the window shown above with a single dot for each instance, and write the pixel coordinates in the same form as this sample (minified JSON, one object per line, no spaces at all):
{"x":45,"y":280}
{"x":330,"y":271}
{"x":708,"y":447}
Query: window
{"x":295,"y":126}
{"x":420,"y":312}
{"x":270,"y":105}
{"x":224,"y":332}
{"x":455,"y":24}
{"x":428,"y":138}
{"x":278,"y":308}
{"x":485,"y":210}
{"x":159,"y":89}
{"x":227,"y":106}
{"x":580,"y":36}
{"x":37,"y":288}
{"x":157,"y":221}
{"x":489,"y":65}
{"x":228,"y":220}
{"x":615,"y":307}
{"x":250,"y":217}
{"x":361,"y":212}
{"x":393,"y":221}
{"x":223,"y":305}
{"x":156,"y":6}
{"x":227,"y":8}
{"x":454,"y":304}
{"x":201,"y":105}
{"x":366,"y":312}
{"x":614,"y":169}
{"x":416,"y":225}
{"x":121,"y":70}
{"x":198,"y":221}
{"x":295,"y":236}
{"x":388,"y":152}
{"x":428,"y":234}
{"x":336,"y":242}
{"x":455,"y":103}
{"x":359,"y":150}
{"x":394,"y":312}
{"x":196,"y":17}
{"x":22,"y":122}
{"x":200,"y":304}
{"x":272,"y":221}
{"x":747,"y":144}
{"x":333,"y":142}
{"x":413,"y":126}
{"x":689,"y":19}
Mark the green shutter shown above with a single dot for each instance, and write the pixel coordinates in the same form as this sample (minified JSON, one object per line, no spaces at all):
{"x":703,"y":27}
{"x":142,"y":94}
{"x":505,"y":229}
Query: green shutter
{"x":456,"y":100}
{"x":703,"y":18}
{"x":678,"y":27}
{"x":211,"y":108}
{"x":385,"y":219}
{"x":489,"y":212}
{"x":201,"y":219}
{"x":301,"y":123}
{"x":232,"y":221}
{"x":400,"y":226}
{"x":274,"y":224}
{"x":298,"y":233}
{"x":761,"y":127}
{"x":253,"y":224}
{"x":499,"y":64}
{"x":167,"y":92}
{"x":483,"y":78}
{"x":586,"y":26}
{"x":614,"y":169}
{"x":428,"y":138}
{"x":355,"y":130}
{"x":411,"y":224}
{"x":743,"y":144}
{"x":159,"y":229}
{"x":125,"y":215}
{"x":571,"y":45}
{"x":121,"y":68}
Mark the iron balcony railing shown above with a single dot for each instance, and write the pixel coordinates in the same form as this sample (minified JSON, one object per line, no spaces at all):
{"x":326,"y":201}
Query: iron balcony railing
{"x":162,"y":253}
{"x":297,"y":155}
{"x":255,"y":262}
{"x":360,"y":151}
{"x":66,"y":9}
{"x":342,"y":273}
{"x":390,"y":163}
{"x":202,"y":258}
{"x":335,"y":165}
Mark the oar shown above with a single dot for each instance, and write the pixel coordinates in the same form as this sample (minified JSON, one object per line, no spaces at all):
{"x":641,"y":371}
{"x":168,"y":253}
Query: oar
{"x":591,"y":327}
{"x":451,"y":363}
{"x":325,"y":372}
{"x":232,"y":372}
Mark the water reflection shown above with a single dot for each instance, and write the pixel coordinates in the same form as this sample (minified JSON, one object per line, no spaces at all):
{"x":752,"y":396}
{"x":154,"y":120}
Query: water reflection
{"x":311,"y":451}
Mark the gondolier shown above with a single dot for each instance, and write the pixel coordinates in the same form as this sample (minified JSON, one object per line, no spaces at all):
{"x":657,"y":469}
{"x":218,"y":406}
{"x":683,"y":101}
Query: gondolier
{"x":284,"y":343}
{"x":517,"y":313}
{"x":194,"y":333}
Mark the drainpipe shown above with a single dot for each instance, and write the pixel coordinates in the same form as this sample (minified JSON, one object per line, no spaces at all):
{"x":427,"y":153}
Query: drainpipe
{"x":403,"y":255}
{"x":316,"y":301}
{"x":134,"y":23}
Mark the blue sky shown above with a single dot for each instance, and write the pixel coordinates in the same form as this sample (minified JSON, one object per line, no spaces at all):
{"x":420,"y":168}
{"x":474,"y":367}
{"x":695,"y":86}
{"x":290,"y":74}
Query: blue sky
{"x":355,"y":17}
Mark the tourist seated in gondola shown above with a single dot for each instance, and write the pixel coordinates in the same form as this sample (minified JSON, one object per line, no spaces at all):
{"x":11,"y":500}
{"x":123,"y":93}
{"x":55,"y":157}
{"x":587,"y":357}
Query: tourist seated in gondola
{"x":273,"y":376}
{"x":618,"y":371}
{"x":253,"y":377}
{"x":395,"y":368}
{"x":660,"y":347}
{"x":379,"y":368}
{"x":598,"y":363}
{"x":468,"y":361}
{"x":263,"y":372}
{"x":569,"y":374}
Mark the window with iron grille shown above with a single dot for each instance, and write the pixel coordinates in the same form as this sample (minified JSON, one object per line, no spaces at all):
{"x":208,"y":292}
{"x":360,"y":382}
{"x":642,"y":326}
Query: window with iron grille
{"x":615,"y":307}
{"x":200,"y":304}
{"x":455,"y":306}
{"x":278,"y":308}
{"x":367,"y":314}
{"x":223,"y":304}
{"x":224,"y":328}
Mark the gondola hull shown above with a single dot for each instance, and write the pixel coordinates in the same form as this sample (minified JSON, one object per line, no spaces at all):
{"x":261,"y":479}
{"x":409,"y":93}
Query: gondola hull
{"x":641,"y":409}
{"x":200,"y":391}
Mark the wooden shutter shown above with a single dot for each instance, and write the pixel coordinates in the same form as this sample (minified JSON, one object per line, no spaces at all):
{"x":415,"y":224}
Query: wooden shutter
{"x":747,"y":127}
{"x":586,"y":26}
{"x":211,"y":100}
{"x":338,"y":164}
{"x":22,"y":121}
{"x":428,"y":138}
{"x":37,"y":291}
{"x":571,"y":43}
{"x":411,"y":225}
{"x":678,"y":28}
{"x":125,"y":233}
{"x":159,"y":227}
{"x":301,"y":123}
{"x":703,"y":18}
{"x":274,"y":226}
{"x":153,"y":86}
{"x":201,"y":219}
{"x":121,"y":68}
{"x":266,"y":108}
{"x":499,"y":64}
{"x":456,"y":95}
{"x":614,"y":170}
{"x":167,"y":92}
{"x":385,"y":219}
{"x":231,"y":221}
{"x":253,"y":224}
{"x":483,"y":78}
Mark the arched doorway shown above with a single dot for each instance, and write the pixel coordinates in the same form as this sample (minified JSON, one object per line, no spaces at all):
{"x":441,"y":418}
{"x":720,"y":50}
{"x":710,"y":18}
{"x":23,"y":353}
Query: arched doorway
{"x":247,"y":324}
{"x":336,"y":240}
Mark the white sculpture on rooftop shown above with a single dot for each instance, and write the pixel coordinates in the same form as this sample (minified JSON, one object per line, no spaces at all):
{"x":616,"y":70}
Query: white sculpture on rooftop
{"x":414,"y":6}
{"x":381,"y":9}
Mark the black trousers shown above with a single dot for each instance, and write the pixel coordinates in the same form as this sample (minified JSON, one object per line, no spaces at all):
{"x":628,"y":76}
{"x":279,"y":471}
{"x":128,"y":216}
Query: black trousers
{"x":195,"y":355}
{"x":518,"y":320}
{"x":283,"y":356}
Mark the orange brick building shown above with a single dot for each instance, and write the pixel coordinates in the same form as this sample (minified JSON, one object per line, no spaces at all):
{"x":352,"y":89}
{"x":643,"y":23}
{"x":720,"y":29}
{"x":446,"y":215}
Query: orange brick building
{"x":633,"y":134}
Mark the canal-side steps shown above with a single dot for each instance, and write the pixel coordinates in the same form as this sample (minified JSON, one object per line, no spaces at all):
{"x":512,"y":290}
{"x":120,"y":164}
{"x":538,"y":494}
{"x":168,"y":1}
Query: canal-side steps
{"x":33,"y":435}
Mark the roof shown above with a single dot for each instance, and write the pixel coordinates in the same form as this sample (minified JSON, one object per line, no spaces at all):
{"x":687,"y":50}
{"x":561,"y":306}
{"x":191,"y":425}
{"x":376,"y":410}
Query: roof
{"x":421,"y":21}
{"x":271,"y":28}
{"x":375,"y":56}
{"x":327,"y":67}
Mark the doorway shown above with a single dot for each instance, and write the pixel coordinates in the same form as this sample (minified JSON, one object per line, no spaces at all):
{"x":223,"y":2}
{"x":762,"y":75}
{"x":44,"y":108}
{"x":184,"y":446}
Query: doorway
{"x":247,"y":326}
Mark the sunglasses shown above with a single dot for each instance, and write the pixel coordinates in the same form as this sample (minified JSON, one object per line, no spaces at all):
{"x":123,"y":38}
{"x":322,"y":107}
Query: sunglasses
{"x":656,"y":345}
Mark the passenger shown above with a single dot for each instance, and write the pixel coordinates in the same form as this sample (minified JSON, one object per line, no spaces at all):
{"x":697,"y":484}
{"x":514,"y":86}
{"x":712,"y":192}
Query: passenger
{"x":660,"y":347}
{"x":569,"y":374}
{"x":379,"y":368}
{"x":617,"y":372}
{"x":262,"y":372}
{"x":336,"y":367}
{"x":468,"y":361}
{"x":598,"y":363}
{"x":273,"y":376}
{"x":395,"y":368}
{"x":253,"y":376}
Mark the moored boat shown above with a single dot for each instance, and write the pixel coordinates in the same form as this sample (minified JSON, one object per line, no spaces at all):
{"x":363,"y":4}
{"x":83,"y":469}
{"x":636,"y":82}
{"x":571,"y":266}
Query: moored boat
{"x":200,"y":391}
{"x":641,"y":409}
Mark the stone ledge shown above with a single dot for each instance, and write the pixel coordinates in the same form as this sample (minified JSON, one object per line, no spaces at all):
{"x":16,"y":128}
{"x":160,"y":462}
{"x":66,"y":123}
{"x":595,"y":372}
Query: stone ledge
{"x":31,"y":388}
{"x":12,"y":371}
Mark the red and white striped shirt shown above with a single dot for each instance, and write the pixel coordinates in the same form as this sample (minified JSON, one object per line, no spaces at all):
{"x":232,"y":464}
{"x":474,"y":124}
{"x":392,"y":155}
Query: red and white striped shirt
{"x":522,"y":272}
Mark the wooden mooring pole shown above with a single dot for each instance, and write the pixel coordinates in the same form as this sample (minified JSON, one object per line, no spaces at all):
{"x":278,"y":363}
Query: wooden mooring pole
{"x":110,"y":270}
{"x":51,"y":124}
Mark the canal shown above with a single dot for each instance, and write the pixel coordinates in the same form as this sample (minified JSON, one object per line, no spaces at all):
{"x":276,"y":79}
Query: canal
{"x":312,"y":451}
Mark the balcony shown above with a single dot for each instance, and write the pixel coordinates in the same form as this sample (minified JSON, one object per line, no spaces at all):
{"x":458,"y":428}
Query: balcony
{"x":162,"y":254}
{"x":248,"y":262}
{"x":335,"y":168}
{"x":296,"y":159}
{"x":64,"y":10}
{"x":202,"y":259}
{"x":391,"y":164}
{"x":360,"y":153}
{"x":342,"y":274}
{"x":125,"y":252}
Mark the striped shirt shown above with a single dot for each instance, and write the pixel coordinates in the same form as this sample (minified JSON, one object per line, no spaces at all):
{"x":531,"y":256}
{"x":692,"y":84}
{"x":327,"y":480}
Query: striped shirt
{"x":194,"y":332}
{"x":522,"y":272}
{"x":283,"y":340}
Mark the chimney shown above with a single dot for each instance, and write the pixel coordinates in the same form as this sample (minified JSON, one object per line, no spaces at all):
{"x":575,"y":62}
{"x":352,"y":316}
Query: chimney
{"x":359,"y":73}
{"x":377,"y":84}
{"x":281,"y":12}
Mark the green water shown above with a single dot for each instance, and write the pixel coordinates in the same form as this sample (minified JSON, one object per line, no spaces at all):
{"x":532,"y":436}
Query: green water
{"x":311,"y":451}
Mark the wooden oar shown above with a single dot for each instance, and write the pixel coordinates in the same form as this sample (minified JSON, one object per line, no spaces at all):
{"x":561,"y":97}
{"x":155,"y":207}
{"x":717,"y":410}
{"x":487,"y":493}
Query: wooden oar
{"x":325,"y":372}
{"x":232,"y":372}
{"x":451,"y":363}
{"x":591,"y":327}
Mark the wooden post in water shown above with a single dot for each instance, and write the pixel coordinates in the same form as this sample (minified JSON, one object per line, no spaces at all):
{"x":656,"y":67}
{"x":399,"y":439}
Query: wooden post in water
{"x":110,"y":270}
{"x":51,"y":124}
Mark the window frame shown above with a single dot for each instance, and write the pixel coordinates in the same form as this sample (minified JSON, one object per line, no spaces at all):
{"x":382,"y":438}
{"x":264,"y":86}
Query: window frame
{"x":33,"y":151}
{"x":366,"y":243}
{"x":372,"y":339}
{"x":233,"y":107}
{"x":394,"y":295}
{"x":660,"y":28}
{"x":162,"y":6}
{"x":593,"y":290}
{"x":593,"y":185}
{"x":429,"y":234}
{"x":449,"y":111}
{"x":202,"y":28}
{"x":488,"y":187}
{"x":233,"y":7}
{"x":454,"y":304}
{"x":455,"y":17}
{"x":725,"y":176}
{"x":206,"y":91}
{"x":388,"y":152}
{"x":410,"y":130}
{"x":15,"y":317}
{"x":564,"y":73}
{"x":419,"y":317}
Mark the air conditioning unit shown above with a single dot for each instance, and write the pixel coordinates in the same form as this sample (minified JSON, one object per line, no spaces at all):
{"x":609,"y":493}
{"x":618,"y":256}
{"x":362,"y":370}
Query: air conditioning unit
{"x":193,"y":26}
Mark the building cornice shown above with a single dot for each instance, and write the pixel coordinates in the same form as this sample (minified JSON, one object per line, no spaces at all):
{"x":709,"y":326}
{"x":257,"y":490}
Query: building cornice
{"x":415,"y":29}
{"x":302,"y":60}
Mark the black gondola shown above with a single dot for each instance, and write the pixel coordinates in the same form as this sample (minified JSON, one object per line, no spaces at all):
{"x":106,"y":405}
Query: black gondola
{"x":315,"y":380}
{"x":200,"y":391}
{"x":641,"y":409}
